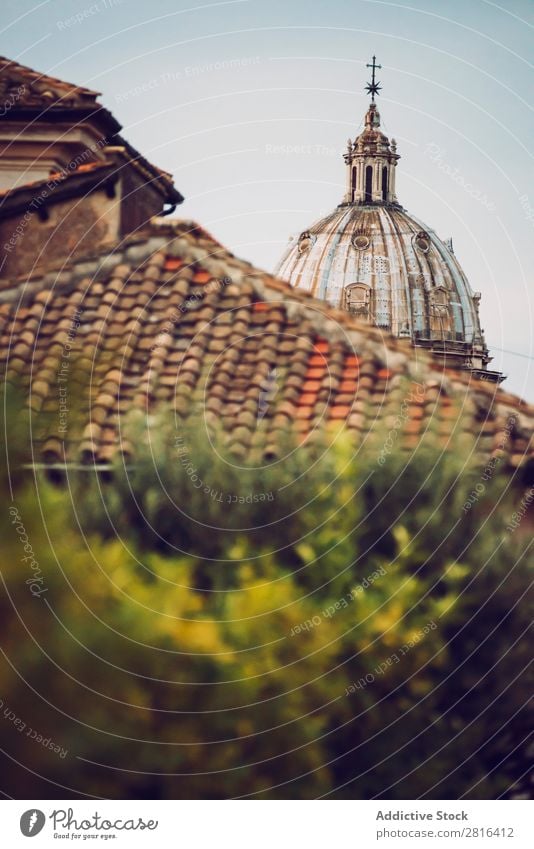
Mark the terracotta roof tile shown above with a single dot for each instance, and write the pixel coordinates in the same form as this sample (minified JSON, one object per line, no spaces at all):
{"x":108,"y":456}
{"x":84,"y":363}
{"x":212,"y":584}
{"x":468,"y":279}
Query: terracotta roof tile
{"x":350,"y":386}
{"x":340,"y":411}
{"x":317,"y":361}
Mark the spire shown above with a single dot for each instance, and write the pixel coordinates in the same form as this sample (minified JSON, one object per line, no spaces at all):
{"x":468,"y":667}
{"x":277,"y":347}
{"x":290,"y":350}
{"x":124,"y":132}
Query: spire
{"x":373,"y":87}
{"x":371,"y":158}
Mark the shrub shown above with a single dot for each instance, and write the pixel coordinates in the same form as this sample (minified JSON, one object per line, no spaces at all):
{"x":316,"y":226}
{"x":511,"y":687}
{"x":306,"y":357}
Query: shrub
{"x":358,"y":635}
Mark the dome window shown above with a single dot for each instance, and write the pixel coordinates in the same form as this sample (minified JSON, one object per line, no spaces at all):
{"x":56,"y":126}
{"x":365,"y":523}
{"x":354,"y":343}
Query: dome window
{"x":441,"y":326}
{"x":306,"y":241}
{"x":357,"y":299}
{"x":439,"y":297}
{"x":422,"y":242}
{"x":361,"y":242}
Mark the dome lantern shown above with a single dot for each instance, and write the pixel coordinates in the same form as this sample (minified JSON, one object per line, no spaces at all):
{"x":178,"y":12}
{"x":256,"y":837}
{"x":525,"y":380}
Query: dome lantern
{"x":371,"y":161}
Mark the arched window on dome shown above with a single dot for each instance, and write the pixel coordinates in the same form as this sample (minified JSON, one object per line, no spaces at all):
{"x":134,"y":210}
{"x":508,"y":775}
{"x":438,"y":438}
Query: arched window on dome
{"x":440,"y":318}
{"x":358,"y":299}
{"x":384,"y":183}
{"x":369,"y":184}
{"x":354,"y":180}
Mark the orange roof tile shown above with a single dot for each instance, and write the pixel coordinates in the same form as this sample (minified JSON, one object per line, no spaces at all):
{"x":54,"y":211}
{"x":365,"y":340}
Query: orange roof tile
{"x":317,"y":360}
{"x":311,"y":386}
{"x":340,"y":411}
{"x":173,"y":263}
{"x":304,"y":412}
{"x":202,"y":277}
{"x":348,"y":386}
{"x":307,"y":400}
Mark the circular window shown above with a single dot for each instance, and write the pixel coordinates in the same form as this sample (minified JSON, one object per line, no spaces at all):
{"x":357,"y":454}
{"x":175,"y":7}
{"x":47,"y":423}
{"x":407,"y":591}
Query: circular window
{"x":306,"y":240}
{"x":422,"y":242}
{"x":361,"y":242}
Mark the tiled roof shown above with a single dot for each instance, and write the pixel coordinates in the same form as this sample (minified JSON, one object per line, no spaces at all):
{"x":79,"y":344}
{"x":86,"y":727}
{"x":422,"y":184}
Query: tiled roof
{"x":42,"y":86}
{"x":171,"y":317}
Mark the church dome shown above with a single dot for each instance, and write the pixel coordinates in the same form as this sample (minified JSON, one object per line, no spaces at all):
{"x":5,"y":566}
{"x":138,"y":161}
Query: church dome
{"x":373,"y":259}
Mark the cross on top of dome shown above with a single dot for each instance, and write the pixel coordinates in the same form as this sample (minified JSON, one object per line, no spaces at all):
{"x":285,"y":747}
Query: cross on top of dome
{"x":373,"y":87}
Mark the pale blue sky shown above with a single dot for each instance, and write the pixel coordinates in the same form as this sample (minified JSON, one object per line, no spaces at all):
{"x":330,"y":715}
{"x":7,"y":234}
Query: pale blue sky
{"x":250,"y":103}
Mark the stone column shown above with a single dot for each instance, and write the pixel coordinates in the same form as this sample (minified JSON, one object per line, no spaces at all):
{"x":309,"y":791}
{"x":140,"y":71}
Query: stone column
{"x":377,"y":194}
{"x":391,"y":183}
{"x":361,"y":179}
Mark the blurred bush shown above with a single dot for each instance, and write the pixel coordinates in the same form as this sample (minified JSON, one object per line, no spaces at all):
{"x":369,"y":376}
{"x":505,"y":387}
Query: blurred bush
{"x":355,"y":633}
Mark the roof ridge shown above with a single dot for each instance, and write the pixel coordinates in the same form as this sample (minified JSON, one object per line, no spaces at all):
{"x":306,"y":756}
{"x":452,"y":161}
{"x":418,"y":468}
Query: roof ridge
{"x":56,"y":177}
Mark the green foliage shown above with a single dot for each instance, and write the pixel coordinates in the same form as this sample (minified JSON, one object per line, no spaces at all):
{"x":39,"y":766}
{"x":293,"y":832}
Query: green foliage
{"x":358,"y":634}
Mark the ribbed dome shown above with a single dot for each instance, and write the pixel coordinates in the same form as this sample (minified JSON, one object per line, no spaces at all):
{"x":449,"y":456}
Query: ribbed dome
{"x":375,"y":260}
{"x":387,"y":267}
